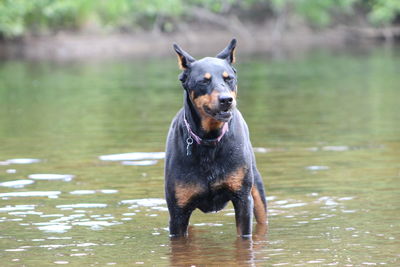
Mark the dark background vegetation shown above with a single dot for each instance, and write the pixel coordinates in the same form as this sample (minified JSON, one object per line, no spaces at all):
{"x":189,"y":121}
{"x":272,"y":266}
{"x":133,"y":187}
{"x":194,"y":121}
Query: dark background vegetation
{"x":21,"y":17}
{"x":45,"y":27}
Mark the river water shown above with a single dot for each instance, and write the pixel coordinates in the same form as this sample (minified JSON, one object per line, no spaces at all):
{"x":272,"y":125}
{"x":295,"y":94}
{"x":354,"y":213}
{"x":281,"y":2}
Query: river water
{"x":81,"y":163}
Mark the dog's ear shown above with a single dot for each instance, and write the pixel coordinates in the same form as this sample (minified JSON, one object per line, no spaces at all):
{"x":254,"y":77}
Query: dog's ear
{"x":229,"y":52}
{"x":184,"y":59}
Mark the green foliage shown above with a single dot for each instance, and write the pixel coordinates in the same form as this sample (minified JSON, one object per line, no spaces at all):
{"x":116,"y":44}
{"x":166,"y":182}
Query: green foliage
{"x":383,"y":12}
{"x":216,"y":6}
{"x":18,"y":17}
{"x":12,"y":17}
{"x":317,"y":12}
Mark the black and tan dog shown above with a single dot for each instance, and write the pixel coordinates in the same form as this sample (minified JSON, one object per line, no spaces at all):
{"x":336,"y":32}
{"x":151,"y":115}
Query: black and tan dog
{"x":209,"y":157}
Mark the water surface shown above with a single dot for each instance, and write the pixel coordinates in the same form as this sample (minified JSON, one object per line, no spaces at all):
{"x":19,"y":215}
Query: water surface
{"x":326,"y":131}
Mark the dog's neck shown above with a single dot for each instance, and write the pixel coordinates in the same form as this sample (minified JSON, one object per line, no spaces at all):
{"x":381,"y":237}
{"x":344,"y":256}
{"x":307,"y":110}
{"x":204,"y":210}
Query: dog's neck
{"x":194,"y":119}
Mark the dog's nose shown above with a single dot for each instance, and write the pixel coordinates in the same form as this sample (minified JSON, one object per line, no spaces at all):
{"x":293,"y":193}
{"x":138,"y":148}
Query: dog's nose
{"x":225,"y":101}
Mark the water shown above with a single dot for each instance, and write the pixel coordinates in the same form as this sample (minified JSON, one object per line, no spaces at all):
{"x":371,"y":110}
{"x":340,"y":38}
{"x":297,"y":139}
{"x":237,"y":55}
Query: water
{"x":327,"y":135}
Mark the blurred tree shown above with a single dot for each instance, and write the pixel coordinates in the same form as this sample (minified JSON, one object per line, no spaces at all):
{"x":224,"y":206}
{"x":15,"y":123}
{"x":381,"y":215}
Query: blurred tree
{"x":19,"y":17}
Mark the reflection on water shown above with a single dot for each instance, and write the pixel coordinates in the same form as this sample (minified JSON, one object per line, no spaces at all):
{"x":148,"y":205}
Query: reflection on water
{"x":202,"y":251}
{"x":83,"y":185}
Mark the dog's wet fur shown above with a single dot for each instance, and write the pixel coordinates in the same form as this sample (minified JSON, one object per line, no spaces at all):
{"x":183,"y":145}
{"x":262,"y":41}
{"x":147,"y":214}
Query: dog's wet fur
{"x":209,"y":174}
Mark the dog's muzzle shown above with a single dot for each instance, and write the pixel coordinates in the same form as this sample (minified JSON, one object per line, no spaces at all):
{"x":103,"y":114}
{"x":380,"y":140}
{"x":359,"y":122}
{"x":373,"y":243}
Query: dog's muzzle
{"x":223,"y":111}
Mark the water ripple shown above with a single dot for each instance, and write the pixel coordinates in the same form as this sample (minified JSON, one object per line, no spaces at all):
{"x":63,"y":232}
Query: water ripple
{"x":51,"y":176}
{"x":145,"y":202}
{"x":82,"y":206}
{"x":139,"y":162}
{"x":16,"y":183}
{"x":55,"y":228}
{"x":317,"y":168}
{"x":133,"y":156}
{"x":17,"y":207}
{"x":22,"y":161}
{"x":82,"y":192}
{"x":50,"y":194}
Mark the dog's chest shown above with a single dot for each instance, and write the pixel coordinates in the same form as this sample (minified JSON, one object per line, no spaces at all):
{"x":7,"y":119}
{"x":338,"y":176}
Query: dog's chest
{"x":218,"y":172}
{"x":213,"y":164}
{"x":218,"y":188}
{"x":208,"y":162}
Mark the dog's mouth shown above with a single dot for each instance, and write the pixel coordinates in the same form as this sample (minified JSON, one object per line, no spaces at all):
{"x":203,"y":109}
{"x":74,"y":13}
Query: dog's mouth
{"x":219,"y":115}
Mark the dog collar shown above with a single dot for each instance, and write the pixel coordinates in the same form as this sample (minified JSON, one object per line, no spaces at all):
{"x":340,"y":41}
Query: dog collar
{"x":198,"y":139}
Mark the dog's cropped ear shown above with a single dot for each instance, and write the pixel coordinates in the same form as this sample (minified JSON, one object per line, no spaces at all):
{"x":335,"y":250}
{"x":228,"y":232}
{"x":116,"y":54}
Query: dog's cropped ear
{"x":229,"y":52}
{"x":184,"y":59}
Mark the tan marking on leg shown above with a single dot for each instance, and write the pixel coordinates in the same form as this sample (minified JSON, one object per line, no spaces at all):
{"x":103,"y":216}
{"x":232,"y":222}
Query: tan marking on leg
{"x":259,"y":209}
{"x":185,"y":192}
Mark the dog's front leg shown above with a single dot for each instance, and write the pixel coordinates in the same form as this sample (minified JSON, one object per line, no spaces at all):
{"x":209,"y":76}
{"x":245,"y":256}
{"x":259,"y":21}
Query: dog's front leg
{"x":179,"y":221}
{"x":243,"y":205}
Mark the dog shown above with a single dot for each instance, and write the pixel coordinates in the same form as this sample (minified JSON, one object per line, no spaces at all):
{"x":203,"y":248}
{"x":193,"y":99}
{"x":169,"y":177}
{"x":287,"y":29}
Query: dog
{"x":209,"y":158}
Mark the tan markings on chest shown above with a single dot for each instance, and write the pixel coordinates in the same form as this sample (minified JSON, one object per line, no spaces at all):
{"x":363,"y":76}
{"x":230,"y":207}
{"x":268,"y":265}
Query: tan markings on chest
{"x":233,"y":181}
{"x":185,"y":192}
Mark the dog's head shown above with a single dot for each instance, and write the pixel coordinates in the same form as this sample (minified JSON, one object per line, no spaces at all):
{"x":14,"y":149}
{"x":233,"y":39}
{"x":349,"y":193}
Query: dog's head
{"x":210,"y":82}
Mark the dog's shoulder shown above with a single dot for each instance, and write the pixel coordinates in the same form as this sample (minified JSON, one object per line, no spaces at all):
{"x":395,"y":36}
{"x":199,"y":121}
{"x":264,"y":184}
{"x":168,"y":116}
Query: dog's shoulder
{"x":175,"y":134}
{"x":239,"y":125}
{"x":178,"y":118}
{"x":176,"y":123}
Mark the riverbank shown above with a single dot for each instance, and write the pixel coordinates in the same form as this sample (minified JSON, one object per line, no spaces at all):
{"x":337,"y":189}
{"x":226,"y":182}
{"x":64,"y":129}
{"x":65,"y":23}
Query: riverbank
{"x":66,"y":46}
